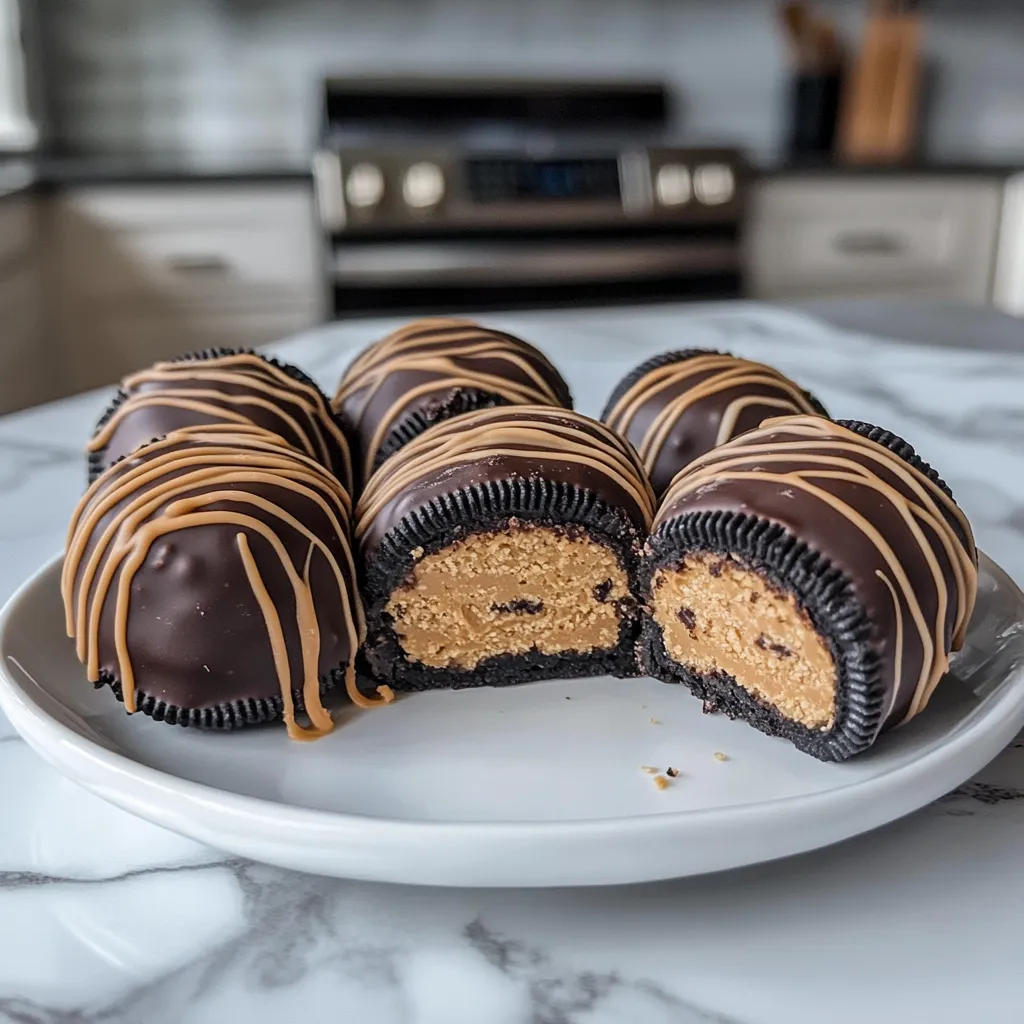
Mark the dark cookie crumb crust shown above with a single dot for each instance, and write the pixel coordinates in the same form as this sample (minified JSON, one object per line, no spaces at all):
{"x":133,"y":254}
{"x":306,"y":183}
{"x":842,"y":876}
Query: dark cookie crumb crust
{"x":387,"y":660}
{"x":221,"y":717}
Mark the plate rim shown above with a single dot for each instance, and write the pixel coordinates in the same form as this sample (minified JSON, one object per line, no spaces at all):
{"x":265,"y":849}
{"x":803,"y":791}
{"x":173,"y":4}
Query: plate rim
{"x":112,"y":769}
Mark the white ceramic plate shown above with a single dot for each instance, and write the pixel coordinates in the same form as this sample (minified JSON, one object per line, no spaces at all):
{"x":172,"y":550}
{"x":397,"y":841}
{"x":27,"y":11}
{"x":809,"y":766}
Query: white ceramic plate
{"x":528,"y":786}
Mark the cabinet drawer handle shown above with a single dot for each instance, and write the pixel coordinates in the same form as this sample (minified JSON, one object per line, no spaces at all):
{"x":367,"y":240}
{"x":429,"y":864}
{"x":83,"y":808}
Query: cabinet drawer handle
{"x":199,"y":264}
{"x":868,"y":244}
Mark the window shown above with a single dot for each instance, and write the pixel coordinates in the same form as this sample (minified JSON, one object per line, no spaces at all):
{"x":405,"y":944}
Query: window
{"x":16,"y":128}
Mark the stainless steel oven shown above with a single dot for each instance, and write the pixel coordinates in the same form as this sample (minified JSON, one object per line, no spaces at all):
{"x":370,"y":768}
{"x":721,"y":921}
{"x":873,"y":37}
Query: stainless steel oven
{"x":447,"y":195}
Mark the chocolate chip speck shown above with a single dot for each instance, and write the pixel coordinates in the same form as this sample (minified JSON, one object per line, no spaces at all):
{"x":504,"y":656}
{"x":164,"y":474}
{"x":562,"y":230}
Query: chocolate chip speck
{"x":754,"y":597}
{"x":715,"y":568}
{"x":671,"y":772}
{"x":687,"y":617}
{"x":770,"y":645}
{"x":521,"y":606}
{"x":602,"y":590}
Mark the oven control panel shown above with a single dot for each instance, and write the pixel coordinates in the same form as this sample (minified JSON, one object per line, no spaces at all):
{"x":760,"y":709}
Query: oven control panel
{"x":367,"y":190}
{"x":490,"y":180}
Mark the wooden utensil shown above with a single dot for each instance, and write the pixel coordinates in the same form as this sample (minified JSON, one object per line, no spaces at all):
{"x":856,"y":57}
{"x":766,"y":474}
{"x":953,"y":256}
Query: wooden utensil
{"x":879,"y":114}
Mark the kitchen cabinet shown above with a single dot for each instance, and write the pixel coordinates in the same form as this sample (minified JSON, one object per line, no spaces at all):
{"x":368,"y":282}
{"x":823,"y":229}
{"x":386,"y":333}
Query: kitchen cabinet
{"x":1008,"y":292}
{"x":874,"y":236}
{"x":27,"y":375}
{"x":149,"y":272}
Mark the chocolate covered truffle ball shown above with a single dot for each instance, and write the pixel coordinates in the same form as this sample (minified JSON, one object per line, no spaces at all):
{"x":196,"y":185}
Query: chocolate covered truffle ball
{"x":432,"y":370}
{"x":221,"y":386}
{"x":500,"y":547}
{"x":679,"y":405}
{"x":208,"y":580}
{"x":812,"y":578}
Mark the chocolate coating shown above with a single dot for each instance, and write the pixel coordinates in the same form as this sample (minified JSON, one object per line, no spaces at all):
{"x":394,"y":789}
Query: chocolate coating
{"x":431,"y":370}
{"x":221,"y":386}
{"x":196,"y":634}
{"x":864,"y":533}
{"x":478,"y":450}
{"x":679,"y":405}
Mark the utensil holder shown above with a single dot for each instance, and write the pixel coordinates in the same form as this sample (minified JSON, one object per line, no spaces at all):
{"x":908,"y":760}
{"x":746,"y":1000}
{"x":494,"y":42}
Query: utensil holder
{"x":813,"y":113}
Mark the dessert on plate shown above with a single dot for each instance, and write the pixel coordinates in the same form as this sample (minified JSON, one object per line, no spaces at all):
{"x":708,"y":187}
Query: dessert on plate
{"x":220,"y":386}
{"x":679,"y":405}
{"x":811,"y":578}
{"x":500,"y":547}
{"x":208,"y":580}
{"x":431,"y":370}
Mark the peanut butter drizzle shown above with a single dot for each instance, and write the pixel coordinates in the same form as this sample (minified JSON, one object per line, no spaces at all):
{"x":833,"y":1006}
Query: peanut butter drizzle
{"x":408,"y":349}
{"x":925,"y":504}
{"x":151,"y":489}
{"x":312,"y":424}
{"x":726,"y":372}
{"x":477,"y":436}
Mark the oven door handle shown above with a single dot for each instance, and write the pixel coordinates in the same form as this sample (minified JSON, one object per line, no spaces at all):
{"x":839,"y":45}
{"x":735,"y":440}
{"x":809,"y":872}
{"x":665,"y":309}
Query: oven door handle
{"x":466,"y":264}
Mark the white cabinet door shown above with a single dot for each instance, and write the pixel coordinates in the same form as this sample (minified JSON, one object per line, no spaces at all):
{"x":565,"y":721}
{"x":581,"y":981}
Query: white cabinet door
{"x":215,"y":246}
{"x":146,"y":273}
{"x":1008,"y":293}
{"x":911,"y":237}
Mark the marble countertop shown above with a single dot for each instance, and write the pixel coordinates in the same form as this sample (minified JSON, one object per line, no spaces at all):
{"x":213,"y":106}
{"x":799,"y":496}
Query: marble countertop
{"x":107,"y":920}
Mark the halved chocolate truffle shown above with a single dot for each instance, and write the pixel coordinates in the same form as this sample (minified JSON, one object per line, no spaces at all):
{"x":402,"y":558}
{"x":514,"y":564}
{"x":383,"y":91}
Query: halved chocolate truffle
{"x":432,"y":370}
{"x":221,"y":386}
{"x":812,"y":578}
{"x":209,"y":581}
{"x":500,"y":548}
{"x":679,"y":405}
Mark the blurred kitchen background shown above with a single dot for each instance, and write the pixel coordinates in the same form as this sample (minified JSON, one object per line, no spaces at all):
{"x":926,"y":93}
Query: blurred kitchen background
{"x":176,"y":174}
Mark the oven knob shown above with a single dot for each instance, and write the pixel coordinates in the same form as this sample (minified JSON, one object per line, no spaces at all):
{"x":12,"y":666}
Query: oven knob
{"x":672,"y":184}
{"x":364,"y":186}
{"x":714,"y":184}
{"x":423,"y":185}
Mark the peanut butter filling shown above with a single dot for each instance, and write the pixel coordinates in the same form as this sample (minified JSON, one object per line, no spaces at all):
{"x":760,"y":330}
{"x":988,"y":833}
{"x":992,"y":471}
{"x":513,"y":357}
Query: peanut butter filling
{"x":528,"y":589}
{"x":716,"y":615}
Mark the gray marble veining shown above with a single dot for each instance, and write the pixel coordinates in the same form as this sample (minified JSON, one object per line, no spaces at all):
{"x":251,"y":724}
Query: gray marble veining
{"x":105,"y":919}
